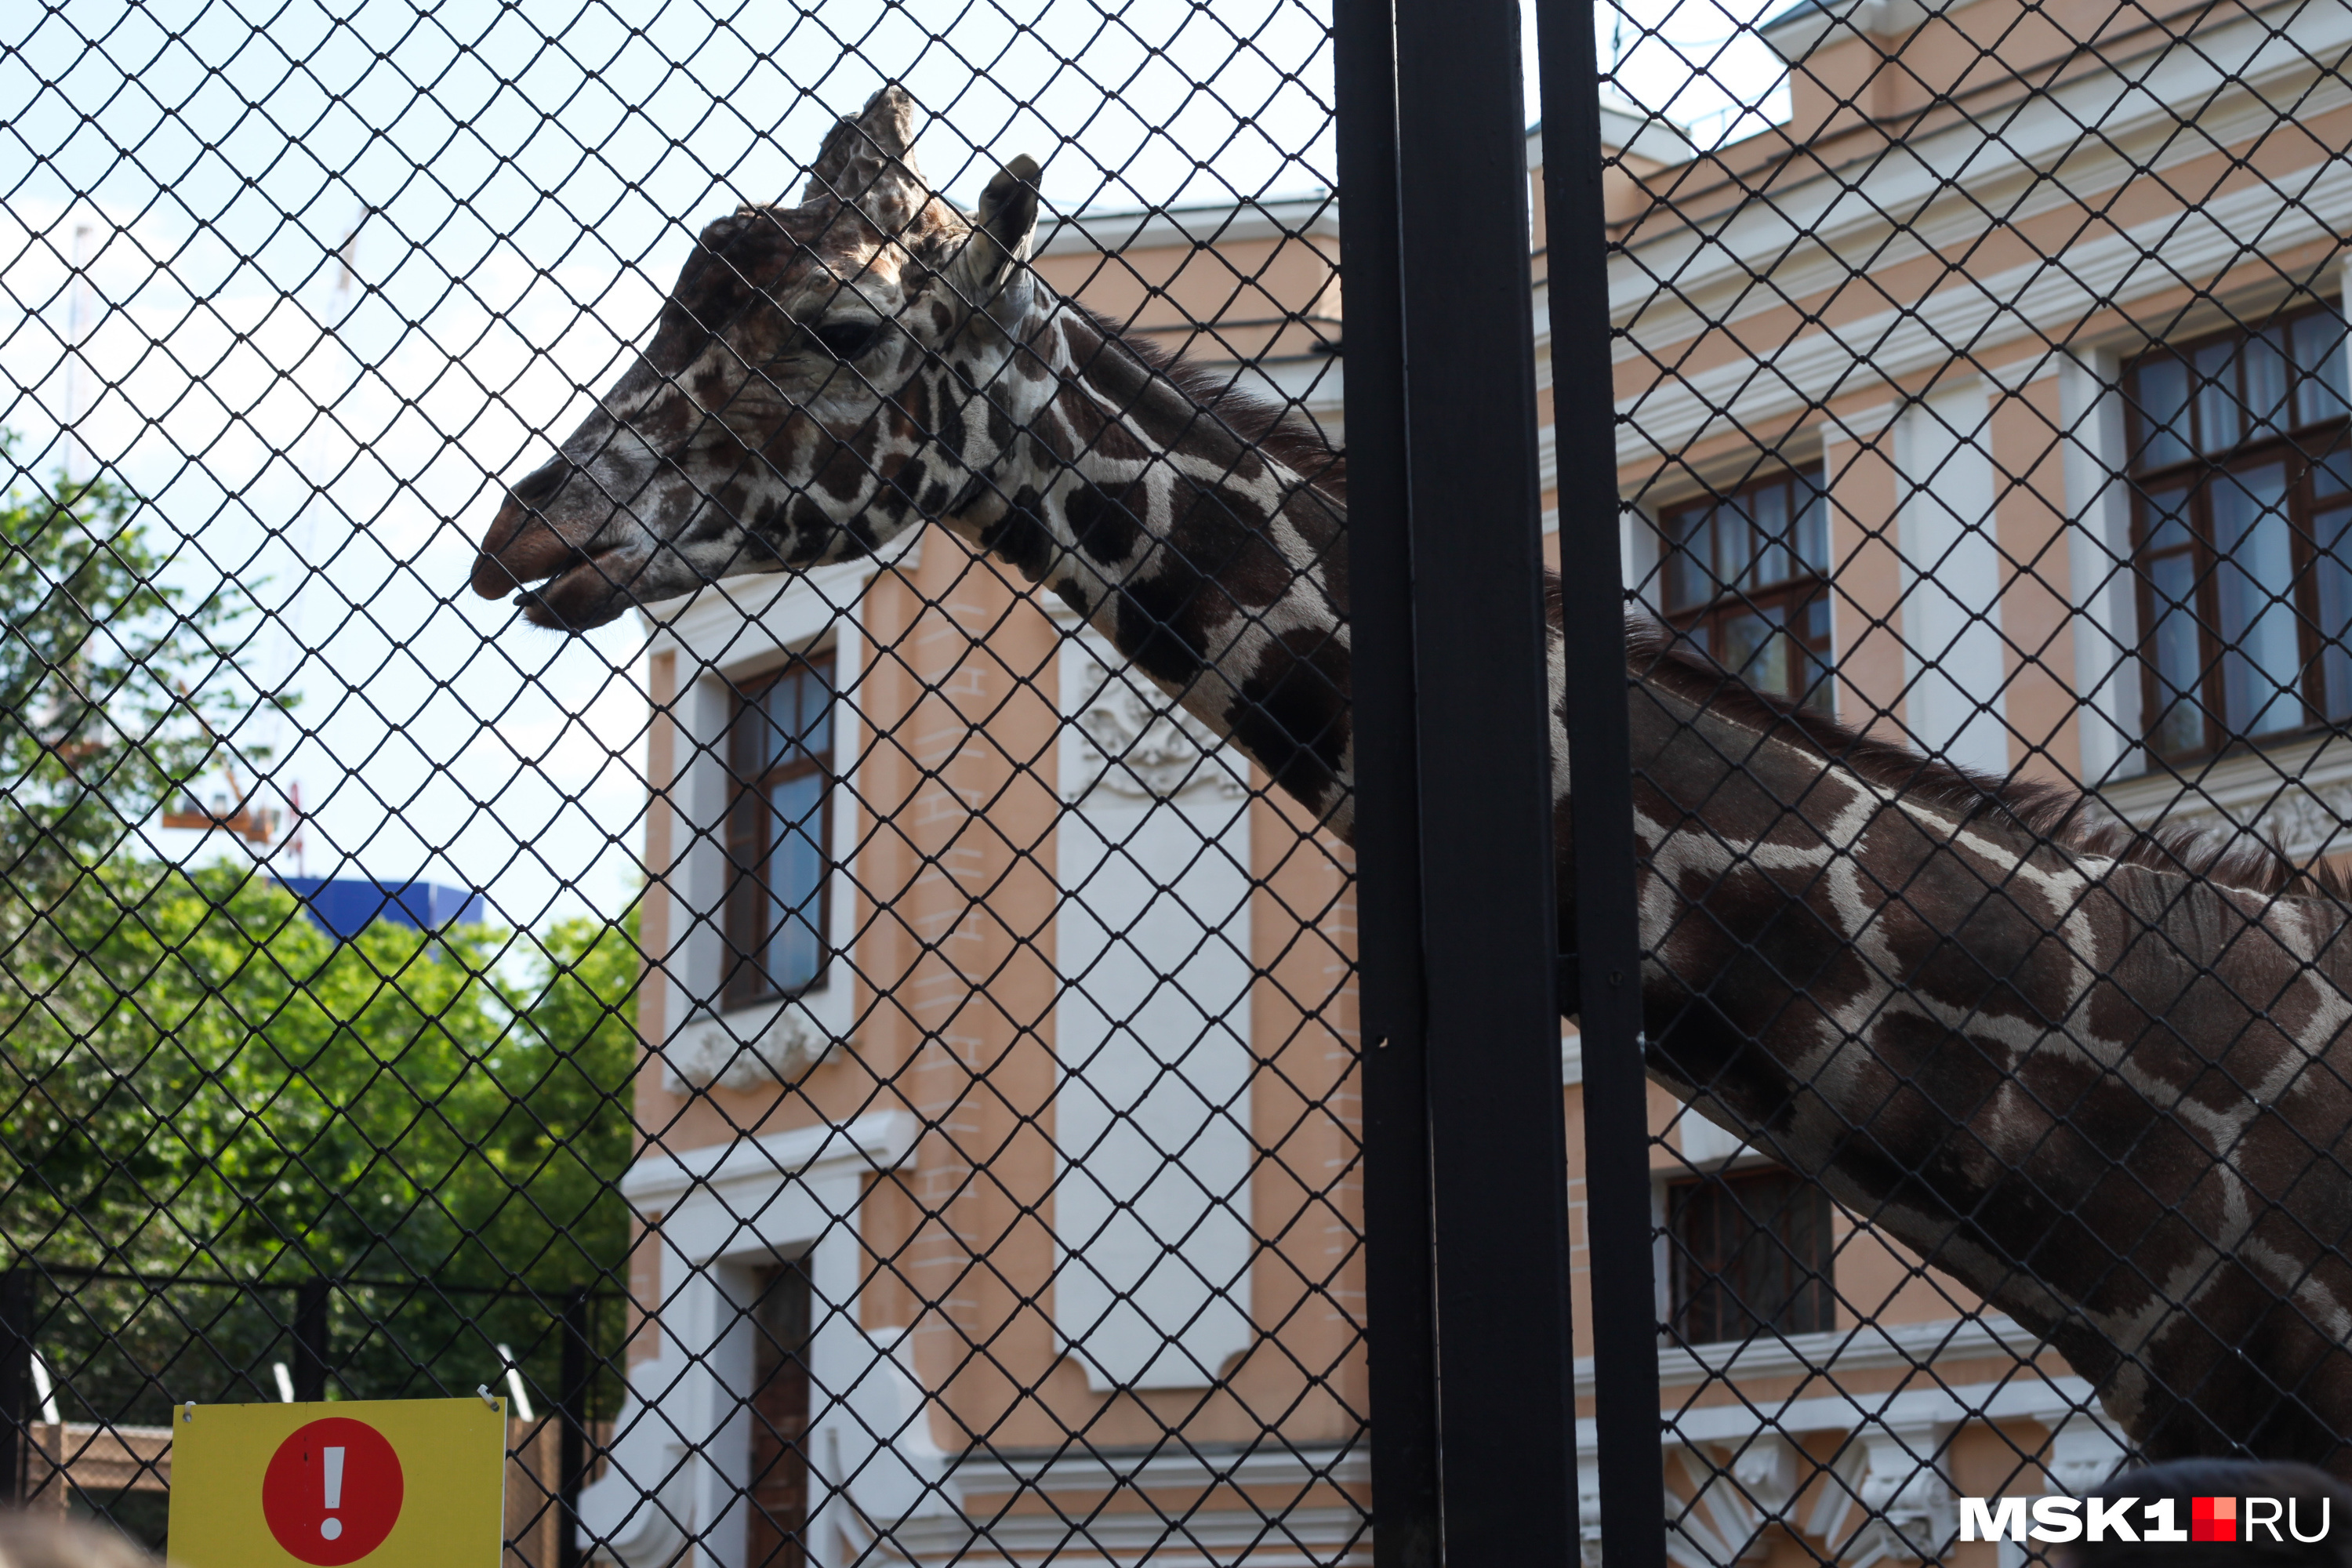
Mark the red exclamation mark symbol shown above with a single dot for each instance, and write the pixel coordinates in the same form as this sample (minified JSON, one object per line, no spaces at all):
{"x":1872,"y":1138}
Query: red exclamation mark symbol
{"x":332,"y":1471}
{"x":333,"y":1491}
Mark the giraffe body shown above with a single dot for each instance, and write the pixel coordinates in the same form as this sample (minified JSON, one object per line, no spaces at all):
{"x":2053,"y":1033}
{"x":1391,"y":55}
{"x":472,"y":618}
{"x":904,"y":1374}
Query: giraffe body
{"x":2097,"y":1078}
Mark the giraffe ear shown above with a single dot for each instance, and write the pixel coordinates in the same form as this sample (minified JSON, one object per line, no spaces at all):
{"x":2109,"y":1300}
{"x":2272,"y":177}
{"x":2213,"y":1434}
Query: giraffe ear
{"x":1000,"y":232}
{"x":868,"y":158}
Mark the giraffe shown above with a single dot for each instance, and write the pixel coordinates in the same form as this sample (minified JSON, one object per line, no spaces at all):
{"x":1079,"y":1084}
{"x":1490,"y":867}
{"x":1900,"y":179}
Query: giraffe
{"x":2091,"y":1073}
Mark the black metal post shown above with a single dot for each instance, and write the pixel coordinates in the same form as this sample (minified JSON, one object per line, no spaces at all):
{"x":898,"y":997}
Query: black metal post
{"x":310,"y":1330}
{"x":15,"y":1380}
{"x":1497,"y":1145}
{"x":1400,"y":1284}
{"x":1593,"y":605}
{"x":571,"y":1403}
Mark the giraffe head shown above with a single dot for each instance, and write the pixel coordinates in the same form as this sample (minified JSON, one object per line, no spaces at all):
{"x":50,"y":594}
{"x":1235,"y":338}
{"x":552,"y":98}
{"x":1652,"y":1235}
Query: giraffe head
{"x":806,"y":395}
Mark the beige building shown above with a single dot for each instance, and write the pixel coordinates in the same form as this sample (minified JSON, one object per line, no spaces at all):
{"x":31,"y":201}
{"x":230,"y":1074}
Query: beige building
{"x":998,"y":891}
{"x":1996,"y":401}
{"x":1003,"y":1140}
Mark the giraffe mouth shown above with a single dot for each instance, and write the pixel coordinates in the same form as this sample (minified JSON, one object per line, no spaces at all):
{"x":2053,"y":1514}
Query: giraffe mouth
{"x":585,"y":590}
{"x":556,"y":582}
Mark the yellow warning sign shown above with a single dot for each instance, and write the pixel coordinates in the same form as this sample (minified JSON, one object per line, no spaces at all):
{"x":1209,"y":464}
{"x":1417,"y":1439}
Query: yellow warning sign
{"x":390,"y":1483}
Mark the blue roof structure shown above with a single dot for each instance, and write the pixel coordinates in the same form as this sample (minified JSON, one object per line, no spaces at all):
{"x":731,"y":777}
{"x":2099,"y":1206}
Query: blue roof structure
{"x":345,"y":906}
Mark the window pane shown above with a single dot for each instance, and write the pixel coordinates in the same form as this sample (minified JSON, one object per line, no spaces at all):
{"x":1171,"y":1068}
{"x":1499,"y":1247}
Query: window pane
{"x":2261,"y":657}
{"x":1752,"y":1253}
{"x":2264,"y":365}
{"x":1771,"y":511}
{"x":795,"y":875}
{"x":2332,"y":477}
{"x":2331,"y":532}
{"x":783,"y":705}
{"x":795,"y":720}
{"x":1757,"y":650}
{"x":1735,"y":545}
{"x":2160,"y":394}
{"x":816,"y":729}
{"x":1813,"y":528}
{"x":1689,"y":576}
{"x":747,"y":740}
{"x":2220,"y":425}
{"x":2167,"y":519}
{"x":2178,"y":720}
{"x":2318,"y":343}
{"x":1820,"y":692}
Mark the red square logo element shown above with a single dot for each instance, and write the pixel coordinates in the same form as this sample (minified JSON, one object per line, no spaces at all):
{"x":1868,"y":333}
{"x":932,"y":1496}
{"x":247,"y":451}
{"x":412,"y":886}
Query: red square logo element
{"x":2214,"y":1519}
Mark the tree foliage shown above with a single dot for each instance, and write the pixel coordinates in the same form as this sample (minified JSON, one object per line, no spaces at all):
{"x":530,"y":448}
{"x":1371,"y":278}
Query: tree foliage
{"x":207,"y":1086}
{"x":199,"y":1085}
{"x":113,"y":682}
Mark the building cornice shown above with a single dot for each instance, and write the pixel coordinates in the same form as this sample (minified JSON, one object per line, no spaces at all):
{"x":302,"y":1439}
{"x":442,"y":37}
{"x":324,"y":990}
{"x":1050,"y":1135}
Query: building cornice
{"x":1796,"y":32}
{"x":1628,"y":129}
{"x":2297,"y":794}
{"x":1945,"y":186}
{"x":878,"y":1141}
{"x":1221,"y":223}
{"x":2044,"y":298}
{"x":1866,"y":1347}
{"x":710,"y":625}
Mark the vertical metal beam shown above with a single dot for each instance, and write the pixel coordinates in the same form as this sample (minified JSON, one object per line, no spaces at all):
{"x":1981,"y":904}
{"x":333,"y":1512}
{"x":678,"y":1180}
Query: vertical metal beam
{"x":573,"y":1402}
{"x":16,"y":1381}
{"x":1616,"y":1098}
{"x":1498,"y":1167}
{"x":1399,"y":1272}
{"x":311,"y":1329}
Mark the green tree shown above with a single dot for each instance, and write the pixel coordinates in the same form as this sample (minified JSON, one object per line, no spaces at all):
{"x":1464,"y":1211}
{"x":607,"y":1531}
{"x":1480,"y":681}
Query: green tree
{"x":207,"y":1086}
{"x":113,"y":681}
{"x":199,"y":1085}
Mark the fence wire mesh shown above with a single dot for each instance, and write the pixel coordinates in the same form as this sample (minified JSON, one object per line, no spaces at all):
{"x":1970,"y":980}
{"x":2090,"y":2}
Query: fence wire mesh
{"x":1983,"y":391}
{"x":529,"y":863}
{"x":786,"y":996}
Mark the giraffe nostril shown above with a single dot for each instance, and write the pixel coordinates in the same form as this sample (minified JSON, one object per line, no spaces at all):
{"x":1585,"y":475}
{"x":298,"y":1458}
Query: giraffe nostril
{"x":537,"y":488}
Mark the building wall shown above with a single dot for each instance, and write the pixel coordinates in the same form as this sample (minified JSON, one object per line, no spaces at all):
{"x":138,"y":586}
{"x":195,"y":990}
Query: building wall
{"x":1944,"y":351}
{"x":965,"y":782}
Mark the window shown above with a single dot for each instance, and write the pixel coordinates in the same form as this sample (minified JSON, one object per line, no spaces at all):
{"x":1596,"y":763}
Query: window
{"x":780,"y":755}
{"x":1751,"y":1254}
{"x":2241,"y":495}
{"x":1747,"y":582}
{"x":779,"y":1482}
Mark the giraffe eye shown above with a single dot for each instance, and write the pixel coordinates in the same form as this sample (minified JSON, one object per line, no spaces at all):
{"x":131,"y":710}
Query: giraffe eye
{"x":846,"y":340}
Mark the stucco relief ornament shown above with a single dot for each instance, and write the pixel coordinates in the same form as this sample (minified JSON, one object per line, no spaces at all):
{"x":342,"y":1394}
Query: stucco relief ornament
{"x":1150,"y":749}
{"x":2308,"y":820}
{"x":714,"y":1053}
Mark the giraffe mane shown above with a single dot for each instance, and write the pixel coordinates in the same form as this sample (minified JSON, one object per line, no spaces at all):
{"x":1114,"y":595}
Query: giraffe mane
{"x":2056,"y":814}
{"x":1276,"y":430}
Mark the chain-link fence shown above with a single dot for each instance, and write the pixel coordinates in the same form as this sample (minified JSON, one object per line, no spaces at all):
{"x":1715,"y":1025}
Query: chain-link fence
{"x":1981,"y":370}
{"x":690,"y":698}
{"x":834,"y":939}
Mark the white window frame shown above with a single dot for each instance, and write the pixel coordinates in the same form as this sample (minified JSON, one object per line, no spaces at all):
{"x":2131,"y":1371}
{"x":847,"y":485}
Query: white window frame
{"x":681,"y":1459}
{"x":724,"y":634}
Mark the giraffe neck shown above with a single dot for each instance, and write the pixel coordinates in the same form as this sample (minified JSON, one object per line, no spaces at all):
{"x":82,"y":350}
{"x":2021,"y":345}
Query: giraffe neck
{"x":2101,"y":1093}
{"x":1217,"y":568}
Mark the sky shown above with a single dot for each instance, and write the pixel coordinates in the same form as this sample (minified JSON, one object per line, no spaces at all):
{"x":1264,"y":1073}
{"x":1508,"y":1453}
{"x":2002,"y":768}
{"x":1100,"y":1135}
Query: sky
{"x":316,"y":278}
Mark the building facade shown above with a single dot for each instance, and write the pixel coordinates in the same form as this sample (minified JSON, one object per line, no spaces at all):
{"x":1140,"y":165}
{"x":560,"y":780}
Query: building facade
{"x":1994,"y":403}
{"x":1000,"y":1183}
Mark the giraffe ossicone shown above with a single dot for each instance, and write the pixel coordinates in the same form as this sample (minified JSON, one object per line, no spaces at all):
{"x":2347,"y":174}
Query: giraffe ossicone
{"x":2099,"y":1078}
